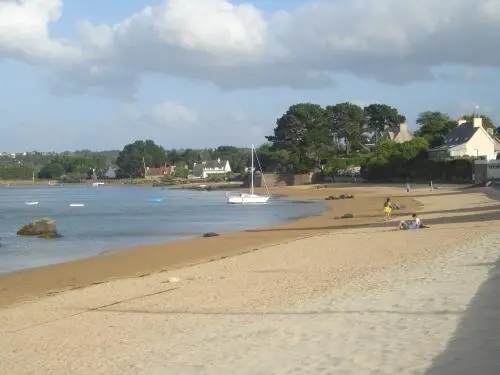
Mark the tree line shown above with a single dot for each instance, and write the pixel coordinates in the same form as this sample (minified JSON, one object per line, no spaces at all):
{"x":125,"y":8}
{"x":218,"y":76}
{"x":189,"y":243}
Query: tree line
{"x":307,"y":137}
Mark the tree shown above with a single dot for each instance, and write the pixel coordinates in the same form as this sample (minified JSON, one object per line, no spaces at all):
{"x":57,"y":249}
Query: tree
{"x":487,"y":122}
{"x":239,"y":158}
{"x":51,"y":171}
{"x":434,"y":126}
{"x":303,"y":135}
{"x":349,"y":122}
{"x":181,"y":171}
{"x":381,"y":116}
{"x":394,"y":160}
{"x":16,"y":172}
{"x":132,"y":158}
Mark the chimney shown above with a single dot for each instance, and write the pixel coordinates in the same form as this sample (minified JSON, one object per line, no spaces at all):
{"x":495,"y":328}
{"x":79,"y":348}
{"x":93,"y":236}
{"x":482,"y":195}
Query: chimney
{"x":477,"y":122}
{"x":461,"y":121}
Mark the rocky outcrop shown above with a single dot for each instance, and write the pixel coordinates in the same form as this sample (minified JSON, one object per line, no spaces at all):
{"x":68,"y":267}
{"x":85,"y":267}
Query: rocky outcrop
{"x":44,"y":227}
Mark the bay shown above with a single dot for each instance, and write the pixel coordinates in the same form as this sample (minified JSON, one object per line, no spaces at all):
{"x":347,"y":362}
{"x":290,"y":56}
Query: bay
{"x":113,"y":218}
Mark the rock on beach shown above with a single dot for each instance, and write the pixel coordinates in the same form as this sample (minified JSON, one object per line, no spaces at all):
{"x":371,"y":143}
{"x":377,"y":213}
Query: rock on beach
{"x":44,"y":227}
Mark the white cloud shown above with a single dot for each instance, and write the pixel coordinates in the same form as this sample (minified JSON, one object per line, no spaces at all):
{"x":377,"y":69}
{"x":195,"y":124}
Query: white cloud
{"x":24,"y":32}
{"x":175,"y":125}
{"x":169,"y":114}
{"x":240,"y":46}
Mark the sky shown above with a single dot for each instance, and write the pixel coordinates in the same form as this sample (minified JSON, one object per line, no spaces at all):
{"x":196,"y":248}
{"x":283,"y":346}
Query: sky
{"x":94,"y":74}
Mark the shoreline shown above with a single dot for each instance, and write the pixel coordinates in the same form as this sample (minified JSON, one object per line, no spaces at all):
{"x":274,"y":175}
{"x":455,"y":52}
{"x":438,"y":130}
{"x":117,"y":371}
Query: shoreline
{"x":114,"y":245}
{"x":139,"y":261}
{"x":353,"y":301}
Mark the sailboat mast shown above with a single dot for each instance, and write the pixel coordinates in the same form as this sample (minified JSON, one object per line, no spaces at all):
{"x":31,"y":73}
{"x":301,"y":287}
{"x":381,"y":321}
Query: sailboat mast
{"x":251,"y":175}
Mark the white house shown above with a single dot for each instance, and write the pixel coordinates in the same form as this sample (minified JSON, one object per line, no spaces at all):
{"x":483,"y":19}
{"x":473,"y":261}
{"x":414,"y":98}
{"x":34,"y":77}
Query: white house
{"x":467,"y":139}
{"x":206,"y":168}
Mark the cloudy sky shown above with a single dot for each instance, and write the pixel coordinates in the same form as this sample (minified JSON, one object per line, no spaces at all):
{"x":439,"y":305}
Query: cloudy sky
{"x":199,"y":73}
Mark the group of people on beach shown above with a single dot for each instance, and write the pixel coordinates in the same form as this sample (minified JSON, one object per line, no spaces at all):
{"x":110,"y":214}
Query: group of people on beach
{"x":413,"y":223}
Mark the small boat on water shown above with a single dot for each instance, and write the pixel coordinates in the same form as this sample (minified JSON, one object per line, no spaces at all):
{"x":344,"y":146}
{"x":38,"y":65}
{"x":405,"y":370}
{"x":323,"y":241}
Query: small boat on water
{"x":251,"y":197}
{"x":97,"y":184}
{"x":31,"y":203}
{"x":77,"y":205}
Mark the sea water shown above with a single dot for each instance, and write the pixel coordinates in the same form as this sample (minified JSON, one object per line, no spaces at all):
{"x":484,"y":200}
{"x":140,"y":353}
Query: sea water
{"x":112,"y":218}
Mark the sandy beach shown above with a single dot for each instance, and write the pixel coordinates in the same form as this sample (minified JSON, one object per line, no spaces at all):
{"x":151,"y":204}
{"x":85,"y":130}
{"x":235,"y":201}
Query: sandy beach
{"x":148,"y":259}
{"x":320,"y":296}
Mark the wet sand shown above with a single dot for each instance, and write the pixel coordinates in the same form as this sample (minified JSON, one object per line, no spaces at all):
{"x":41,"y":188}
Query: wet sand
{"x":143,"y":260}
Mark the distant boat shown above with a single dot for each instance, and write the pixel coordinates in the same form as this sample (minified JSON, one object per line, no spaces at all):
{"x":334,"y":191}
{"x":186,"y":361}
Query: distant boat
{"x":250,"y":198}
{"x":155,"y":199}
{"x":31,"y":203}
{"x":77,"y":205}
{"x":97,"y":184}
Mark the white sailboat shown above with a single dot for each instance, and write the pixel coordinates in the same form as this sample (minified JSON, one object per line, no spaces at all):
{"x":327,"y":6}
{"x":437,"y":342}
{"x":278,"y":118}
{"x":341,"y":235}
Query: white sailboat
{"x":250,"y":198}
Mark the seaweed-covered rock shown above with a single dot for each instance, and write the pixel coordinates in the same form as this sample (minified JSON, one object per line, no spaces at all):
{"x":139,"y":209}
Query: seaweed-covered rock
{"x":211,"y":234}
{"x":347,"y":216}
{"x":44,"y":227}
{"x":342,"y":196}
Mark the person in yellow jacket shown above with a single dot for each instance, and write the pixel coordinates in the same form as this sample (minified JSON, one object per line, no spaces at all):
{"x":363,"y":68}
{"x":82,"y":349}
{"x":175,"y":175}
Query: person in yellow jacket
{"x":387,"y":208}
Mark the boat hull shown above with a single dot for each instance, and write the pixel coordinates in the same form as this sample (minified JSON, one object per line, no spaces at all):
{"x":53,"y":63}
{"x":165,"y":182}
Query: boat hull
{"x":247,"y":199}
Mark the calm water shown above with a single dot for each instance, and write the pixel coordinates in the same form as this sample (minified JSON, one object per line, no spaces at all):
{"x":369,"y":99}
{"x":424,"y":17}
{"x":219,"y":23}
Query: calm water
{"x":114,"y":218}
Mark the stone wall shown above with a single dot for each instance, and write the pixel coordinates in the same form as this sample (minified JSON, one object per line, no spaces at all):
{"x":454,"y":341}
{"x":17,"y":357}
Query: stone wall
{"x":274,"y":179}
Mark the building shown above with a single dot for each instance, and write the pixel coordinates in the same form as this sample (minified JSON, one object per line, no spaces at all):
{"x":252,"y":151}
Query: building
{"x":158,"y":173}
{"x":398,"y":134}
{"x":468,"y":139}
{"x":110,"y":173}
{"x":210,"y":167}
{"x":486,"y":170}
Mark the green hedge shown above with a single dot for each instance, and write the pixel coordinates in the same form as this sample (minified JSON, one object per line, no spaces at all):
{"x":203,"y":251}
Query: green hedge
{"x":420,"y":168}
{"x":452,"y":170}
{"x":392,"y":161}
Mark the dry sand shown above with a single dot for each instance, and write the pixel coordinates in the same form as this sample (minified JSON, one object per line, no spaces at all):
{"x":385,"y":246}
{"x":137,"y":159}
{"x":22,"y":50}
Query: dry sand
{"x":144,"y":260}
{"x":364,"y":300}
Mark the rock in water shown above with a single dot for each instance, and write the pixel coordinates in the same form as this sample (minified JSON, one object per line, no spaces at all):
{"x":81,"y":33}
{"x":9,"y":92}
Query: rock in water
{"x":44,"y":228}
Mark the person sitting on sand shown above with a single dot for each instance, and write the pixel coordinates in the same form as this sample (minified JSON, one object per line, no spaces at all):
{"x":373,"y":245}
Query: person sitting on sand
{"x":387,"y":208}
{"x":413,"y":223}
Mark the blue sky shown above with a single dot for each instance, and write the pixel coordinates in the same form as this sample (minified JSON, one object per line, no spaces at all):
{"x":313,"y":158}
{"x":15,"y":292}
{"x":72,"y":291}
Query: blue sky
{"x":200,"y":73}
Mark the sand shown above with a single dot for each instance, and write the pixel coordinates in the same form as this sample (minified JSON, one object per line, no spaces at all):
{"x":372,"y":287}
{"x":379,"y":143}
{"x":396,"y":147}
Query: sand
{"x":362,"y":300}
{"x":145,"y":260}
